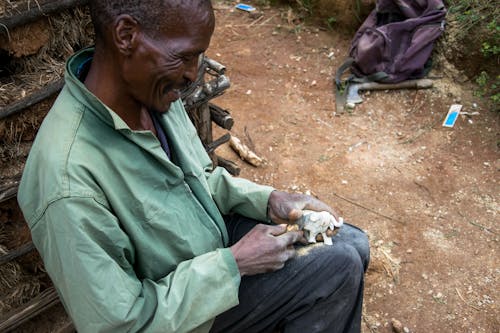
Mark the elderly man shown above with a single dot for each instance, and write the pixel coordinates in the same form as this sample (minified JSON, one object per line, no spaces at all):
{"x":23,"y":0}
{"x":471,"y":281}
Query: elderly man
{"x":136,"y":228}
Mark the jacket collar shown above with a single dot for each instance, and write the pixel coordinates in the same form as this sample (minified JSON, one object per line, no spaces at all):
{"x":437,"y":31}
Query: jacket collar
{"x":74,"y":67}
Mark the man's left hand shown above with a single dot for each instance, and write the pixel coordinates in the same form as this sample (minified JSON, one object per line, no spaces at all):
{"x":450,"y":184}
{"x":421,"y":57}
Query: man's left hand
{"x":286,"y":208}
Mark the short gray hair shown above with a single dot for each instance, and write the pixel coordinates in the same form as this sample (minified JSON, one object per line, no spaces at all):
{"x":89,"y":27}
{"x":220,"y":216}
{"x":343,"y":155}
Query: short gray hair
{"x":150,"y":14}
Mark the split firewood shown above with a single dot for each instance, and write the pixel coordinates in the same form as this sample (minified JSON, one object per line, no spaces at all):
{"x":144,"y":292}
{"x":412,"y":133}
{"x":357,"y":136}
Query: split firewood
{"x":245,"y":153}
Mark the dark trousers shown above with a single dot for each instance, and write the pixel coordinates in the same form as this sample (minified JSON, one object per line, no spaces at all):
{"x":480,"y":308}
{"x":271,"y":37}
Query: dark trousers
{"x":320,"y":290}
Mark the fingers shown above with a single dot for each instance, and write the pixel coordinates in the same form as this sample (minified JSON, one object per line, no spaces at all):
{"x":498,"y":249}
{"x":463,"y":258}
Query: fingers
{"x":318,"y":206}
{"x":277,"y":230}
{"x":291,"y":238}
{"x":295,"y":214}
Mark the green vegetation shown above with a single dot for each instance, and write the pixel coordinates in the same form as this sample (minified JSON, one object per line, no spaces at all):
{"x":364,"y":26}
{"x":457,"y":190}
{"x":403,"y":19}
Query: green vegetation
{"x":480,"y":19}
{"x":488,"y":87}
{"x":305,"y":5}
{"x":330,"y":22}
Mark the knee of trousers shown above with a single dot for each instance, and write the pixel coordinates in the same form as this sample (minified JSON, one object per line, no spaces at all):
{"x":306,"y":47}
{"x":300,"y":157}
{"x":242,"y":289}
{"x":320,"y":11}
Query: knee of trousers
{"x":344,"y":257}
{"x":352,"y":261}
{"x":359,"y":240}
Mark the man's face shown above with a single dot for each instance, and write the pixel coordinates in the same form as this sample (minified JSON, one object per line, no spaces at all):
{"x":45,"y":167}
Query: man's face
{"x":165,"y":64}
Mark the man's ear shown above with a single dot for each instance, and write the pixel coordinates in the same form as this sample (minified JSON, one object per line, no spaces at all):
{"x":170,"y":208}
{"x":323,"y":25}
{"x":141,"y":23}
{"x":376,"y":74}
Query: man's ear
{"x":125,"y":31}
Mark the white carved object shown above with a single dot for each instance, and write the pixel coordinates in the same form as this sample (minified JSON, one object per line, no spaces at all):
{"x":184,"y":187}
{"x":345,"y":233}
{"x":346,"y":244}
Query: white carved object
{"x":315,"y":223}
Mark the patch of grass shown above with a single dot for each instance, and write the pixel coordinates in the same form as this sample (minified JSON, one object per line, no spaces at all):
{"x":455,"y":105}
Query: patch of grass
{"x":330,"y":22}
{"x":488,"y":87}
{"x":305,"y":5}
{"x":480,"y":18}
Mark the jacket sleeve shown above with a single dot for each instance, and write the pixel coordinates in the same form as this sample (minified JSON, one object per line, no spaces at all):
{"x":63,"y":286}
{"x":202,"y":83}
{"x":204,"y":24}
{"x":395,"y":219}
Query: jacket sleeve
{"x":91,"y":262}
{"x":238,"y":195}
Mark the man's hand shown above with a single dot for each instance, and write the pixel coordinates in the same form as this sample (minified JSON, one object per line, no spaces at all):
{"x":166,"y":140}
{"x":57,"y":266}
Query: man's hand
{"x":287,"y":208}
{"x":265,"y":249}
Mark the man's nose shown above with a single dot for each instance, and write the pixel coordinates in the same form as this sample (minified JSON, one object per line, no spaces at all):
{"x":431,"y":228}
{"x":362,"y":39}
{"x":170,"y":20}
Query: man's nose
{"x":191,"y":71}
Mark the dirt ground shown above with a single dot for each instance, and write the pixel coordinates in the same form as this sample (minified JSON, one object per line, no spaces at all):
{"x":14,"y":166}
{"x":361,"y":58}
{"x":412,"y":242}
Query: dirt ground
{"x":426,"y":195}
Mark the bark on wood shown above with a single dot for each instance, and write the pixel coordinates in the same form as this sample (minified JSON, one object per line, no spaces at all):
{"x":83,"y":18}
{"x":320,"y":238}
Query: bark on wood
{"x":230,"y":166}
{"x":221,"y":117}
{"x":37,"y":12}
{"x":34,"y":98}
{"x":245,"y":153}
{"x":20,"y":251}
{"x":220,"y":141}
{"x":67,"y":328}
{"x":8,"y":190}
{"x":19,"y":316}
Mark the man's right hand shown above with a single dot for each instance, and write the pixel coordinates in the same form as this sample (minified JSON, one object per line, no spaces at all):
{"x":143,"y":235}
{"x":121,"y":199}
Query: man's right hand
{"x":265,"y":248}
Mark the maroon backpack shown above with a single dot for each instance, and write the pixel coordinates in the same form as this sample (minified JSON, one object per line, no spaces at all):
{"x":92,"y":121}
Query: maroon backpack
{"x":395,"y":41}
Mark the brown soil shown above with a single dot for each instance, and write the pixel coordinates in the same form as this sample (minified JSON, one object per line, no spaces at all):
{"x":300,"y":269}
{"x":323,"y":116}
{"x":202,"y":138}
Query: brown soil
{"x":426,"y":195}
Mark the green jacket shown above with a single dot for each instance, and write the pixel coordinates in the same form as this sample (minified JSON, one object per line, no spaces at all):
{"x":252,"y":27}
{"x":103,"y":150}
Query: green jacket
{"x":132,"y":241}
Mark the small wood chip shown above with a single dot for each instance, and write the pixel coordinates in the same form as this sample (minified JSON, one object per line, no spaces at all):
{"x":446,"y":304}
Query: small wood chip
{"x":245,"y":153}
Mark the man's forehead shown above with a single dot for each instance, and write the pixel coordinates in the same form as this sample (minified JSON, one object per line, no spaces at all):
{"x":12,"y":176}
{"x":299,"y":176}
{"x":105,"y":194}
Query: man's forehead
{"x":197,"y":19}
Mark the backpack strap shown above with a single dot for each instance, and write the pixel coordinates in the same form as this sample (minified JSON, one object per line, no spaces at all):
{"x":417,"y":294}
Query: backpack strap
{"x":341,"y":87}
{"x":341,"y":70}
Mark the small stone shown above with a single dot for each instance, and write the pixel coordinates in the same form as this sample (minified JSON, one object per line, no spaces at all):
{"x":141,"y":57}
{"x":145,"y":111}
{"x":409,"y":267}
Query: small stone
{"x":249,"y":92}
{"x":313,"y":83}
{"x":350,"y":105}
{"x":406,"y":329}
{"x":397,"y":327}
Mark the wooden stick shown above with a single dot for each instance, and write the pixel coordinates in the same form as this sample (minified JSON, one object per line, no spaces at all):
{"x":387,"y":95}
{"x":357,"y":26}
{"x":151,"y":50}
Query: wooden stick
{"x":245,"y":153}
{"x":220,"y":141}
{"x":368,"y":209}
{"x":472,"y":306}
{"x":47,"y":299}
{"x":34,"y":98}
{"x":20,"y":251}
{"x":37,"y":12}
{"x":67,"y":328}
{"x":230,"y":166}
{"x":9,"y":190}
{"x":221,"y":116}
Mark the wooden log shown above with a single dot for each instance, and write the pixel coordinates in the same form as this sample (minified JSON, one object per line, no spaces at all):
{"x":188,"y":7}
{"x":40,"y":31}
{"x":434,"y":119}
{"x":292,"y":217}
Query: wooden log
{"x":30,"y":100}
{"x":67,"y":328}
{"x":47,"y":299}
{"x":215,"y":66}
{"x":230,"y":166}
{"x":220,"y":141}
{"x":37,"y":12}
{"x":20,"y":251}
{"x":221,"y":116}
{"x":245,"y":153}
{"x":8,"y":191}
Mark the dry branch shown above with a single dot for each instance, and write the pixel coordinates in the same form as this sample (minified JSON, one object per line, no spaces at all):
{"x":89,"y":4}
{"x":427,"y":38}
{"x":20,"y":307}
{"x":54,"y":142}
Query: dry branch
{"x":67,"y":328}
{"x":220,"y":141}
{"x":24,"y":249}
{"x":245,"y":153}
{"x":8,"y":190}
{"x":19,"y":316}
{"x":36,"y":97}
{"x":230,"y":166}
{"x":37,"y":12}
{"x":221,"y":117}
